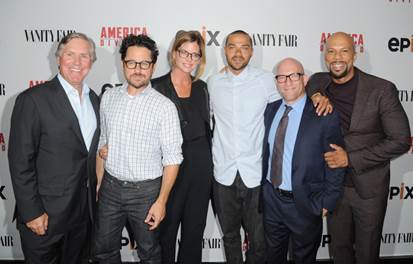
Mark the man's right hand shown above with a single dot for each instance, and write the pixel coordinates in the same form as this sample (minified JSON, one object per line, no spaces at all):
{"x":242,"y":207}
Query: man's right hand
{"x":39,"y":224}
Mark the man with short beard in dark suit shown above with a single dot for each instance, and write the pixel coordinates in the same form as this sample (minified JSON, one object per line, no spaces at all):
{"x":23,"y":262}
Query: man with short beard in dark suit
{"x":376,"y":130}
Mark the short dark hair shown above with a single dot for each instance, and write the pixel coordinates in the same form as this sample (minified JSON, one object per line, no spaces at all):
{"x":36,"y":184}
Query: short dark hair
{"x":139,"y":41}
{"x":242,"y":32}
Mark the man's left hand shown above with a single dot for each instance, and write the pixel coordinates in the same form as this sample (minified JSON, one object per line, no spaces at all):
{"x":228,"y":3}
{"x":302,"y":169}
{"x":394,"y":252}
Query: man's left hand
{"x":337,"y":158}
{"x":155,"y":215}
{"x":325,"y":212}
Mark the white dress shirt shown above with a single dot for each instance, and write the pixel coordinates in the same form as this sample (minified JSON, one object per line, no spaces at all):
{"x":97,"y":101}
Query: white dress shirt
{"x":83,"y":109}
{"x":238,"y":103}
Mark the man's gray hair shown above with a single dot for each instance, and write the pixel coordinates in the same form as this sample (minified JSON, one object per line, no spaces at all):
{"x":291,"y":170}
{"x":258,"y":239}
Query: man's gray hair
{"x":75,"y":35}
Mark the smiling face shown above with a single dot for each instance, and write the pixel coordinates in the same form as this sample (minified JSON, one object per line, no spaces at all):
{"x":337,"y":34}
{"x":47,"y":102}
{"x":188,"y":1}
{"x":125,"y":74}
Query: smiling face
{"x":340,"y":56}
{"x":238,"y":51}
{"x":75,"y":62}
{"x":186,"y":57}
{"x":290,"y":90}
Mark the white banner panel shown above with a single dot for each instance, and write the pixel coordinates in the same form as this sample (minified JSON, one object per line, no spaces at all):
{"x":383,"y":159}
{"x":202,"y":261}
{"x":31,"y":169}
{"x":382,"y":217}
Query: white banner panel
{"x":381,"y":30}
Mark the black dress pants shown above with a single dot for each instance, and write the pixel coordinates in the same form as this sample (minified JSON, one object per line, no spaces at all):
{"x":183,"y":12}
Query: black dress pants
{"x":284,"y":222}
{"x":188,"y":205}
{"x":70,"y":247}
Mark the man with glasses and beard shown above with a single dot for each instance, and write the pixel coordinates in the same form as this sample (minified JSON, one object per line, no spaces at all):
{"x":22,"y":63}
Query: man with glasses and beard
{"x":141,"y":130}
{"x":376,"y":130}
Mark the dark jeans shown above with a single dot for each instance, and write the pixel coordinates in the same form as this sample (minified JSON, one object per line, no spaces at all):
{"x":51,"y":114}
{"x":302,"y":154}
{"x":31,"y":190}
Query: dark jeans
{"x":119,"y":202}
{"x":236,"y":206}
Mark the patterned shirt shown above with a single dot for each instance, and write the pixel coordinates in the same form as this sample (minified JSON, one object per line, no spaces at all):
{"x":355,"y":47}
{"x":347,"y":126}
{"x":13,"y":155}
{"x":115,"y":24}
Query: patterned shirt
{"x":142,"y":133}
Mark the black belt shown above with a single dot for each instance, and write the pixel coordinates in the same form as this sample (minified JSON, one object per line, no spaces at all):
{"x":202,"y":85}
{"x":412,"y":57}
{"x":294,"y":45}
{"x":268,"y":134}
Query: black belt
{"x":131,"y":183}
{"x":284,"y":193}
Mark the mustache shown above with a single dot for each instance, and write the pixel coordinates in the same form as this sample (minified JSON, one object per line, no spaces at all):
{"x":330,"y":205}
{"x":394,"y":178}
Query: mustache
{"x":138,"y":75}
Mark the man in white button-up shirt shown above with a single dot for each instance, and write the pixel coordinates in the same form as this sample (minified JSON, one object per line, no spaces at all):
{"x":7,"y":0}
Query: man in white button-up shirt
{"x":239,"y":96}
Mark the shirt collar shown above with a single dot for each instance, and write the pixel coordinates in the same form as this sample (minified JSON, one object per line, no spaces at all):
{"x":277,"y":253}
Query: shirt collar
{"x":298,"y":105}
{"x":145,"y":91}
{"x":70,"y":90}
{"x":240,"y":77}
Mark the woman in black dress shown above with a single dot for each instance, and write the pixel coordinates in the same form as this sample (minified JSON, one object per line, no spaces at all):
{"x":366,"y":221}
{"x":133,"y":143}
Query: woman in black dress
{"x":189,"y":199}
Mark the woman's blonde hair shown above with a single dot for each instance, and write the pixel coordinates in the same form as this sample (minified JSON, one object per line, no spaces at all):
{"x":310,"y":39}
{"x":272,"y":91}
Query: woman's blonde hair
{"x":182,"y":37}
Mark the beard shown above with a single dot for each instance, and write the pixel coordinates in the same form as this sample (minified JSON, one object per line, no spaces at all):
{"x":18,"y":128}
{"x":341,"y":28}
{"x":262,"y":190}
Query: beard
{"x":238,"y":67}
{"x":339,"y":75}
{"x":138,"y":84}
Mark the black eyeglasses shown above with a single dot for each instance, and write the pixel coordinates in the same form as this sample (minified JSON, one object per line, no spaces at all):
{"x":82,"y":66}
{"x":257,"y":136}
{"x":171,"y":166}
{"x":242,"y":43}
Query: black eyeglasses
{"x":295,"y":76}
{"x":143,"y":65}
{"x":185,"y":54}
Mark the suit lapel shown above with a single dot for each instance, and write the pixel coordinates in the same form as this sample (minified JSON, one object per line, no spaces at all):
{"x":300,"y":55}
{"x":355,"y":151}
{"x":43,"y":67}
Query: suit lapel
{"x":269,"y":117}
{"x":362,"y":93}
{"x":269,"y":114}
{"x":95,"y":103}
{"x":63,"y":104}
{"x":306,"y":118}
{"x":175,"y":98}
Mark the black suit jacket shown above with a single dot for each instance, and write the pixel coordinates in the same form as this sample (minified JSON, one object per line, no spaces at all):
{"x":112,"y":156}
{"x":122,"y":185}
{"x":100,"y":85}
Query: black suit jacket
{"x":314,"y":185}
{"x":379,"y":131}
{"x":49,"y":162}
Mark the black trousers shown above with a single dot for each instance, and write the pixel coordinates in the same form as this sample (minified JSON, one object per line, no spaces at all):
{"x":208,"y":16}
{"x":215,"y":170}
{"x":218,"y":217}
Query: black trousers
{"x":355,"y":228}
{"x":236,"y":206}
{"x":71,"y":247}
{"x":188,"y":205}
{"x":282,"y":221}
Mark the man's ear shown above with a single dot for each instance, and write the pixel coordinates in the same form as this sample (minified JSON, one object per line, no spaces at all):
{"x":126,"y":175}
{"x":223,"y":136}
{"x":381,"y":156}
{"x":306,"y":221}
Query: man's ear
{"x":305,"y":79}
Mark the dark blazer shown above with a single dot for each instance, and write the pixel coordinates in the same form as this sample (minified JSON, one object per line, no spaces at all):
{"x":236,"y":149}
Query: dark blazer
{"x":379,"y":131}
{"x":314,"y":185}
{"x":49,"y":162}
{"x":199,"y":91}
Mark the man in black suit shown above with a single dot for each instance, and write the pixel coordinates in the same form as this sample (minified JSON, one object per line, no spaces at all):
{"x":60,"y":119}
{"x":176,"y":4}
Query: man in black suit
{"x":52,"y":153}
{"x":376,"y":130}
{"x":297,"y":186}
